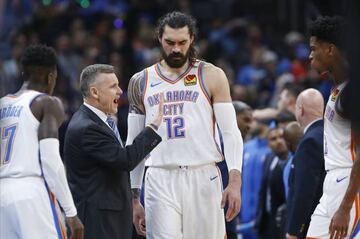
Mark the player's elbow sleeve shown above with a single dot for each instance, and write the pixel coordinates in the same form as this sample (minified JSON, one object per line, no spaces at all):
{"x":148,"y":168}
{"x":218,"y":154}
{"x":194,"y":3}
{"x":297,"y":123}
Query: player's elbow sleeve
{"x":54,"y":174}
{"x":233,"y":144}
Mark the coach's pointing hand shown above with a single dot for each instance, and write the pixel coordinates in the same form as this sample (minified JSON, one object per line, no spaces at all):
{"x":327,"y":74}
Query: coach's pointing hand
{"x":157,"y":121}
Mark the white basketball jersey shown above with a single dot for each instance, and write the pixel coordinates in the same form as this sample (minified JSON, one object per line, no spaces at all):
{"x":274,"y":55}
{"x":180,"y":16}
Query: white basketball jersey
{"x":19,"y":136}
{"x":188,"y":125}
{"x":338,"y":141}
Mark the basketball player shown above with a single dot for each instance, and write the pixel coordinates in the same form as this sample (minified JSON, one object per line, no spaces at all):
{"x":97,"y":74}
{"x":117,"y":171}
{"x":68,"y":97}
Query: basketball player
{"x":32,"y":176}
{"x":327,"y":56}
{"x":183,"y":193}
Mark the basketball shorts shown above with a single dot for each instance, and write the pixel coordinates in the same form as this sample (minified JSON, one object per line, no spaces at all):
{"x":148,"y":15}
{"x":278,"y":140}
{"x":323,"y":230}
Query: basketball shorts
{"x":334,"y":188}
{"x":184,"y":202}
{"x":28,"y":211}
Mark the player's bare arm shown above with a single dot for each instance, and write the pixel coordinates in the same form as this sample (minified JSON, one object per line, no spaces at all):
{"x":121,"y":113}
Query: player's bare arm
{"x":136,"y":84}
{"x":136,"y":106}
{"x":218,"y":86}
{"x":136,"y":114}
{"x":50,"y":112}
{"x":341,"y":218}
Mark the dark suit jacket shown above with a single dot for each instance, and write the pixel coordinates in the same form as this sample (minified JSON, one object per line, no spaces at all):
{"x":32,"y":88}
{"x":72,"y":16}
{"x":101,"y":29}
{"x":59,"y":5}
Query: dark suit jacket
{"x":306,"y":180}
{"x":265,"y":221}
{"x":98,"y":171}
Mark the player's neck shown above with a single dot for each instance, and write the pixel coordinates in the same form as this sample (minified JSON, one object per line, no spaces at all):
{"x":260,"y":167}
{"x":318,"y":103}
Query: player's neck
{"x":339,"y":77}
{"x":174,"y":70}
{"x":339,"y":73}
{"x":34,"y":86}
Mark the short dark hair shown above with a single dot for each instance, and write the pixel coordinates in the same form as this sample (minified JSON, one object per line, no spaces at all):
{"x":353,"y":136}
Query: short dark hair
{"x":38,"y":56}
{"x":88,"y":76}
{"x":240,"y":107}
{"x":292,"y":89}
{"x":284,"y":117}
{"x":178,"y":20}
{"x":330,"y":29}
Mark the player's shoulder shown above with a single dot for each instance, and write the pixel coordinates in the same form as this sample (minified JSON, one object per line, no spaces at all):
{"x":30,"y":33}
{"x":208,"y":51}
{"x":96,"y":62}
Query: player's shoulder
{"x":211,"y":68}
{"x":213,"y":75}
{"x":46,"y":104}
{"x":48,"y":101}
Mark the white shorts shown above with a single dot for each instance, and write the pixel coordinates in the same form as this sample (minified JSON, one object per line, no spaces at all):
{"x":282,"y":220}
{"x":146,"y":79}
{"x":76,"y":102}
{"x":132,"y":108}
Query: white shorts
{"x":184,"y":203}
{"x":334,"y":188}
{"x":28,"y":211}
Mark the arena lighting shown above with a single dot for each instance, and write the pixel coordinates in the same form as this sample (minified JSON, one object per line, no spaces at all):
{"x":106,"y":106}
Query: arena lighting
{"x":46,"y":2}
{"x":118,"y":23}
{"x":84,"y":3}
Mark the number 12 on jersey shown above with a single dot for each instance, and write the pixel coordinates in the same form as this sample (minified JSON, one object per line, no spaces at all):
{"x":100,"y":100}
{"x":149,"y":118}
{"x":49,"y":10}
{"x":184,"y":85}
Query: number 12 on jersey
{"x":7,"y":139}
{"x":175,"y":127}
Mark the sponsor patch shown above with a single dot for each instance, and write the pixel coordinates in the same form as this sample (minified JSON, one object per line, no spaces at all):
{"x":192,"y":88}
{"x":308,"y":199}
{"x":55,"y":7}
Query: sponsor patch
{"x":334,"y":94}
{"x":190,"y":80}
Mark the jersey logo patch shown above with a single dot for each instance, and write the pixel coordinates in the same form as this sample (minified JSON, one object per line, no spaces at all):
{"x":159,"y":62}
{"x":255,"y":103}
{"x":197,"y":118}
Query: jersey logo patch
{"x":190,"y":80}
{"x":341,"y":179}
{"x":334,"y":94}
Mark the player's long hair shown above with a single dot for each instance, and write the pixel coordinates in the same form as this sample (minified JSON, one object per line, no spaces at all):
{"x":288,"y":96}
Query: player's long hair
{"x":179,"y":20}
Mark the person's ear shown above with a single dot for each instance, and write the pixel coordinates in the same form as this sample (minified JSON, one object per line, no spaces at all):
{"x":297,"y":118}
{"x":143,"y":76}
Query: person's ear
{"x":94,"y":92}
{"x":331,"y":49}
{"x":51,"y":81}
{"x":302,"y":110}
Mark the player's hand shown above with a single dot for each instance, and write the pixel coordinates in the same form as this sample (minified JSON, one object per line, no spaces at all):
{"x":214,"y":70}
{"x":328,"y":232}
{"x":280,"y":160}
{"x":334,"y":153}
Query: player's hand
{"x":231,"y":195}
{"x":159,"y":117}
{"x":339,"y":224}
{"x":139,"y":217}
{"x":288,"y":236}
{"x":76,"y":227}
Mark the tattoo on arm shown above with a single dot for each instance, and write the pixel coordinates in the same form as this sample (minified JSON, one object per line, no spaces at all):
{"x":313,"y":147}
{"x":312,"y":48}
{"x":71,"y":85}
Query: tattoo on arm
{"x":135,"y":193}
{"x":135,"y":94}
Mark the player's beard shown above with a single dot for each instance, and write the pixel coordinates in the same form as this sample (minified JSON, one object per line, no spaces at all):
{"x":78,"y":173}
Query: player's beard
{"x":175,"y":60}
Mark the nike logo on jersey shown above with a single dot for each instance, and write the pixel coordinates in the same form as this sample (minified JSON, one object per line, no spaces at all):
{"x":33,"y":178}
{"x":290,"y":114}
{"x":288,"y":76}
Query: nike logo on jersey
{"x":212,"y":178}
{"x":339,"y":180}
{"x":155,"y":84}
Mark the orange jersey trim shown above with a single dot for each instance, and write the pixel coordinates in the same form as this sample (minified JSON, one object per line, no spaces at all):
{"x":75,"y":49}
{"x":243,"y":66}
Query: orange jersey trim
{"x":202,"y":86}
{"x":356,"y":220}
{"x":62,"y":230}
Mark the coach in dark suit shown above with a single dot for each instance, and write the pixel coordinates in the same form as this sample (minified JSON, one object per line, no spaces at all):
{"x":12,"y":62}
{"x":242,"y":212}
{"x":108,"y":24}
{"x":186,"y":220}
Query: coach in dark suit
{"x":272,"y":193}
{"x":307,"y":178}
{"x":97,"y":163}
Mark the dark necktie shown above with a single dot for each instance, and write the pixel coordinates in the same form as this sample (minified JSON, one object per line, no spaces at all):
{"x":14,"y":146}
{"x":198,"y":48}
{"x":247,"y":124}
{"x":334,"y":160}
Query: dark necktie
{"x":114,"y":128}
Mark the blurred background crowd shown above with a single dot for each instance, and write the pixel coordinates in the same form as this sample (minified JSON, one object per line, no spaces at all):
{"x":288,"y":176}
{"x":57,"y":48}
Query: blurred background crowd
{"x":262,"y":45}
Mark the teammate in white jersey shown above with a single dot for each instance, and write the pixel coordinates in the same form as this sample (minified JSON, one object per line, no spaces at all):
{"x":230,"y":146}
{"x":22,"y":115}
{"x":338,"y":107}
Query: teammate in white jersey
{"x":183,"y":192}
{"x":339,"y":144}
{"x":32,"y":176}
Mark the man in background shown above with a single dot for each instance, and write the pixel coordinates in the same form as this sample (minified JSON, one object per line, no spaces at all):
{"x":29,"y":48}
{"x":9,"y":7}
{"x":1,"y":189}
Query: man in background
{"x":272,"y":194}
{"x":307,"y":178}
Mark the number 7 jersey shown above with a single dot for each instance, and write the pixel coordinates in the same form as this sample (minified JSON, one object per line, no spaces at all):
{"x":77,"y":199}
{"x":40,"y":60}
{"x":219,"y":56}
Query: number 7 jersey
{"x":188,"y":127}
{"x":19,"y":136}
